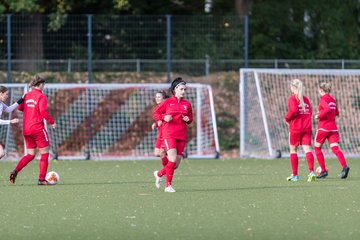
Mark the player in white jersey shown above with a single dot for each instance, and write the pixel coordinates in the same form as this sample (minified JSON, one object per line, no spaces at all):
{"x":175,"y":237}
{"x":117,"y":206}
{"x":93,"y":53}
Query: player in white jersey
{"x":4,"y":95}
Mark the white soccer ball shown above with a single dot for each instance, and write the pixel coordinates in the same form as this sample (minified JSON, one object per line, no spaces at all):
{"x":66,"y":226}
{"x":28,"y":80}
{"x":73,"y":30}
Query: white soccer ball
{"x":318,"y":171}
{"x":52,"y":177}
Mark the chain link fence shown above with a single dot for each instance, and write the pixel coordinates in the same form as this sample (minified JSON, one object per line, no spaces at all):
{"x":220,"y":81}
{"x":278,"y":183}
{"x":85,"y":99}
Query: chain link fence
{"x":192,"y":45}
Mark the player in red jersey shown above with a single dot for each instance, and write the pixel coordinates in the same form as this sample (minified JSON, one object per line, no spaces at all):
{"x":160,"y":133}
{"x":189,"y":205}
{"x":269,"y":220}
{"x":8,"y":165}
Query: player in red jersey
{"x":176,"y":114}
{"x":35,"y":134}
{"x":159,"y":150}
{"x":4,"y":95}
{"x":327,"y":129}
{"x":298,"y":118}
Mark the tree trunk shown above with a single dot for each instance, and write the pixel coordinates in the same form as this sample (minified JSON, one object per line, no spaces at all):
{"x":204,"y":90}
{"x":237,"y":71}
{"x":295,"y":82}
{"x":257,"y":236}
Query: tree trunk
{"x":28,"y":42}
{"x":242,"y":7}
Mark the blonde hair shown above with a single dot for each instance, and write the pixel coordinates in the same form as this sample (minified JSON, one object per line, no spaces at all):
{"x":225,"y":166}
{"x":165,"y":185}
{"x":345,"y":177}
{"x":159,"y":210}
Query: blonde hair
{"x":325,"y":86}
{"x":300,"y":91}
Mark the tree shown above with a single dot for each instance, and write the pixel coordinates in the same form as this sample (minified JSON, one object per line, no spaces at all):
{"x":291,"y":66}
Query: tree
{"x":304,"y":29}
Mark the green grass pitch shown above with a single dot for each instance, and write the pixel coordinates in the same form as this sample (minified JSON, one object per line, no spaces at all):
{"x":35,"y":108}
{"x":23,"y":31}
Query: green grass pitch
{"x":215,"y":199}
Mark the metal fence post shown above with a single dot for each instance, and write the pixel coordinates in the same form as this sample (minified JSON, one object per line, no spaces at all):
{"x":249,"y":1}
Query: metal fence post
{"x":8,"y":19}
{"x":207,"y":65}
{"x":246,"y":39}
{"x":89,"y":17}
{"x":243,"y":90}
{"x":69,"y":65}
{"x":138,"y":67}
{"x":168,"y":47}
{"x":89,"y":102}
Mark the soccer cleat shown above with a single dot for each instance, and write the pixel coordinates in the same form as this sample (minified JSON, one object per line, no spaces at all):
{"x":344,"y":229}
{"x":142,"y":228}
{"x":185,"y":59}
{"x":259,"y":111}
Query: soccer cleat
{"x":311,"y":177}
{"x":293,"y":178}
{"x":323,"y":174}
{"x":43,"y":183}
{"x":157,"y":179}
{"x":345,"y":172}
{"x":12,"y":177}
{"x":169,"y":189}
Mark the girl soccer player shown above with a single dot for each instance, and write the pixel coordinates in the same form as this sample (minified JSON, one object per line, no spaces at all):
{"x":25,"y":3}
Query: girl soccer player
{"x":298,"y":118}
{"x":159,"y":150}
{"x":176,"y":114}
{"x":4,"y":95}
{"x":35,"y":134}
{"x":327,"y":129}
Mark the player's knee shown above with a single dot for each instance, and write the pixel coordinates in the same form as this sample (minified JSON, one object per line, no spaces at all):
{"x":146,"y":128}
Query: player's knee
{"x":293,"y":148}
{"x":306,"y":148}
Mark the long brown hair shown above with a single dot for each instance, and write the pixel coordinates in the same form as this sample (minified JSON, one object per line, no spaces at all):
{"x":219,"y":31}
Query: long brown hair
{"x":177,"y":81}
{"x":163,"y":94}
{"x":3,"y":89}
{"x":36,"y":81}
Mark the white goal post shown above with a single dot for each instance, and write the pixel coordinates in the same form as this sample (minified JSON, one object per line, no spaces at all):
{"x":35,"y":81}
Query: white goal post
{"x":113,"y":121}
{"x":263,"y":104}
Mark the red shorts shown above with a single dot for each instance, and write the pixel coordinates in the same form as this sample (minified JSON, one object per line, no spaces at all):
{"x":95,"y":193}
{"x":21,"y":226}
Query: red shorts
{"x":159,"y":143}
{"x":300,"y":138}
{"x":179,"y":145}
{"x":331,"y":136}
{"x":39,"y":139}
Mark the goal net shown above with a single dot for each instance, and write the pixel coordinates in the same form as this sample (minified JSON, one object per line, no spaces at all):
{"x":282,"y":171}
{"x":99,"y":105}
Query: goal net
{"x":113,"y":121}
{"x":263,"y":104}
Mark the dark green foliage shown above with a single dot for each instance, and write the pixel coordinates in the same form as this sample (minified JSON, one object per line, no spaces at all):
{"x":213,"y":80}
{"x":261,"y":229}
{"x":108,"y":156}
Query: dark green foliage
{"x":282,"y":29}
{"x":304,"y":29}
{"x":228,"y":131}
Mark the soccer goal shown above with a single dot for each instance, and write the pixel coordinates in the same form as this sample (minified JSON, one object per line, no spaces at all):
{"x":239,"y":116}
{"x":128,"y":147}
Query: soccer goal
{"x":263,"y":104}
{"x":113,"y":121}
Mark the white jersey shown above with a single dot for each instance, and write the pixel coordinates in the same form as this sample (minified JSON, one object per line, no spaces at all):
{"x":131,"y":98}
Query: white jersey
{"x":8,"y":109}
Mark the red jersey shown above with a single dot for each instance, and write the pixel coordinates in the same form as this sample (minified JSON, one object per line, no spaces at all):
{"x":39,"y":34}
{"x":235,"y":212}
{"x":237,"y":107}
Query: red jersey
{"x":160,"y":135}
{"x":298,"y":119}
{"x":176,"y":128}
{"x":35,"y":111}
{"x":327,"y":113}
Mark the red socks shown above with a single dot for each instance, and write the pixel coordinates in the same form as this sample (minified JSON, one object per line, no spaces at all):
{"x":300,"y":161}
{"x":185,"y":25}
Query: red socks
{"x":320,"y":158}
{"x":170,"y":168}
{"x":310,"y":161}
{"x":339,"y":155}
{"x":43,"y":166}
{"x":164,"y":160}
{"x":23,"y":162}
{"x":294,"y":161}
{"x":162,"y":172}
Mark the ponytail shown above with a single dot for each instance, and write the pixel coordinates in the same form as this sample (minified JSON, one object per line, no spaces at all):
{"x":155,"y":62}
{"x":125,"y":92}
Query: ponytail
{"x":326,"y":87}
{"x":300,"y":92}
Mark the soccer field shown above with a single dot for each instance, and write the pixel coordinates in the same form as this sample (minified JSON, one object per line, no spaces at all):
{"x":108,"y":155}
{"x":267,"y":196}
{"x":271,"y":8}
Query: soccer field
{"x":215,"y":199}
